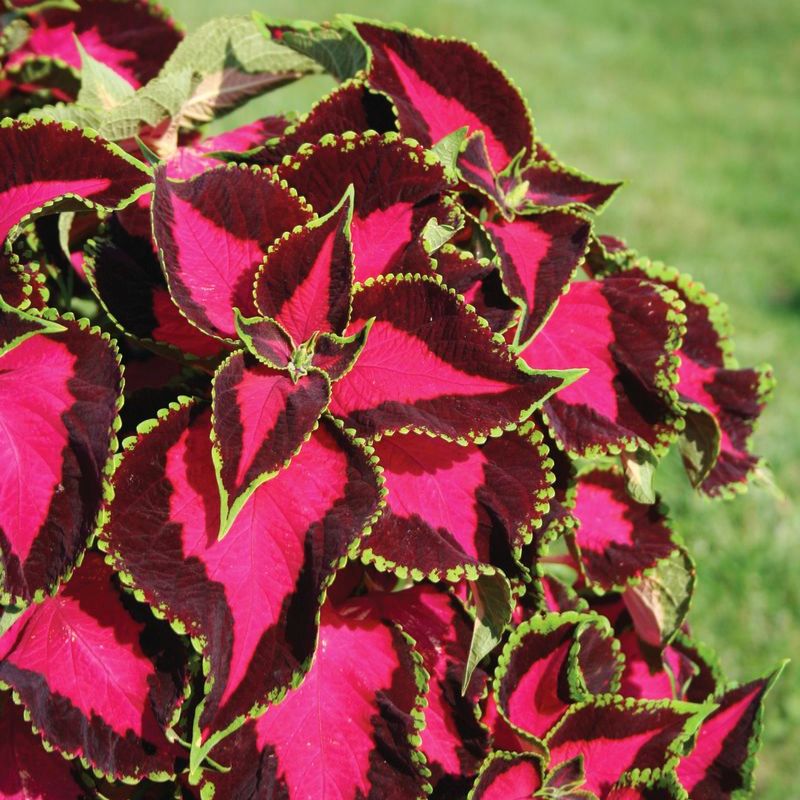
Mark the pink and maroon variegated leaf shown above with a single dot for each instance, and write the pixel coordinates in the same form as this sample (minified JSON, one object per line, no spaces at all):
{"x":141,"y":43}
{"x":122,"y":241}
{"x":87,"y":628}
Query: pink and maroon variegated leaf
{"x":551,"y":185}
{"x":430,"y":363}
{"x":50,"y":167}
{"x":110,"y":711}
{"x":366,"y":673}
{"x":124,"y":273}
{"x":617,"y":736}
{"x":665,"y":789}
{"x":133,"y":37}
{"x":453,"y":742}
{"x":508,"y":776}
{"x":441,"y":85}
{"x":16,"y":326}
{"x":541,"y":674}
{"x":261,"y":418}
{"x":539,"y":255}
{"x":653,"y":674}
{"x":212,"y":232}
{"x":479,"y":282}
{"x":475,"y":168}
{"x":59,"y":398}
{"x":616,"y":538}
{"x":22,"y":285}
{"x":398,"y":187}
{"x":722,"y":402}
{"x":306,"y":279}
{"x":266,"y":339}
{"x":27,"y":770}
{"x":251,"y":600}
{"x":351,"y":106}
{"x":625,"y":332}
{"x":336,"y":355}
{"x":452,"y":506}
{"x":721,"y":763}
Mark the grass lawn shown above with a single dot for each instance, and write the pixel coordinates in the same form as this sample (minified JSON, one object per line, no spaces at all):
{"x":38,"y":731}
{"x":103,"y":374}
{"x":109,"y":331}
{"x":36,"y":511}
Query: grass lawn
{"x":696,"y":105}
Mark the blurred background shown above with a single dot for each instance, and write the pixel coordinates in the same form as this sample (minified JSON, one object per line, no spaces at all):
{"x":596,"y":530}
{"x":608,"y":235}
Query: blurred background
{"x":696,"y":103}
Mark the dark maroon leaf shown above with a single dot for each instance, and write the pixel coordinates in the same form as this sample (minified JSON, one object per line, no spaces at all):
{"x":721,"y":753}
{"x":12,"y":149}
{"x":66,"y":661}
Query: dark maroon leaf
{"x":301,"y":749}
{"x":124,"y":273}
{"x":616,"y":736}
{"x":27,"y":770}
{"x":479,"y":282}
{"x":133,"y":37}
{"x":452,"y":507}
{"x":508,"y":776}
{"x":616,"y":538}
{"x":721,"y":763}
{"x":306,"y":279}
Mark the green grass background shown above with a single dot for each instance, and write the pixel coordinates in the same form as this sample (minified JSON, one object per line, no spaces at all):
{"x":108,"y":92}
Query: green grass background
{"x":697,"y":104}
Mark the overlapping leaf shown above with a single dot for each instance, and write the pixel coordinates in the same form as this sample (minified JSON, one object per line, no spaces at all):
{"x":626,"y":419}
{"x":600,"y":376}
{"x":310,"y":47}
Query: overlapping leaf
{"x":351,"y":106}
{"x":431,"y":364}
{"x":60,"y":393}
{"x":77,"y":664}
{"x":508,"y":776}
{"x":616,"y":538}
{"x":300,"y":748}
{"x":452,"y":506}
{"x":616,"y":737}
{"x":538,"y":255}
{"x":212,"y":232}
{"x":27,"y":770}
{"x":398,"y":188}
{"x":479,"y":282}
{"x":541,"y":672}
{"x":625,"y":332}
{"x":249,"y":601}
{"x":124,"y":273}
{"x":261,"y":417}
{"x":51,"y":167}
{"x":721,"y":763}
{"x":134,"y":38}
{"x":453,"y":742}
{"x":306,"y":279}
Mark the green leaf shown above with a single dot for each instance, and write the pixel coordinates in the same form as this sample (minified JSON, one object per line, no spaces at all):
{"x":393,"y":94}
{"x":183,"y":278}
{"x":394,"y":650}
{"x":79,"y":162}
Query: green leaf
{"x":212,"y":71}
{"x":699,"y":443}
{"x":447,"y":150}
{"x":660,"y":602}
{"x":436,"y":234}
{"x":338,"y":51}
{"x":494,"y":606}
{"x":14,"y":35}
{"x":640,"y":469}
{"x":101,"y":87}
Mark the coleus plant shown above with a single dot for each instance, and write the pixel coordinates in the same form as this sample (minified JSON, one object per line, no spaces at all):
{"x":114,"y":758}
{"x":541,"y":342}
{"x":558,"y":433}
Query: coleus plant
{"x":372,"y":514}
